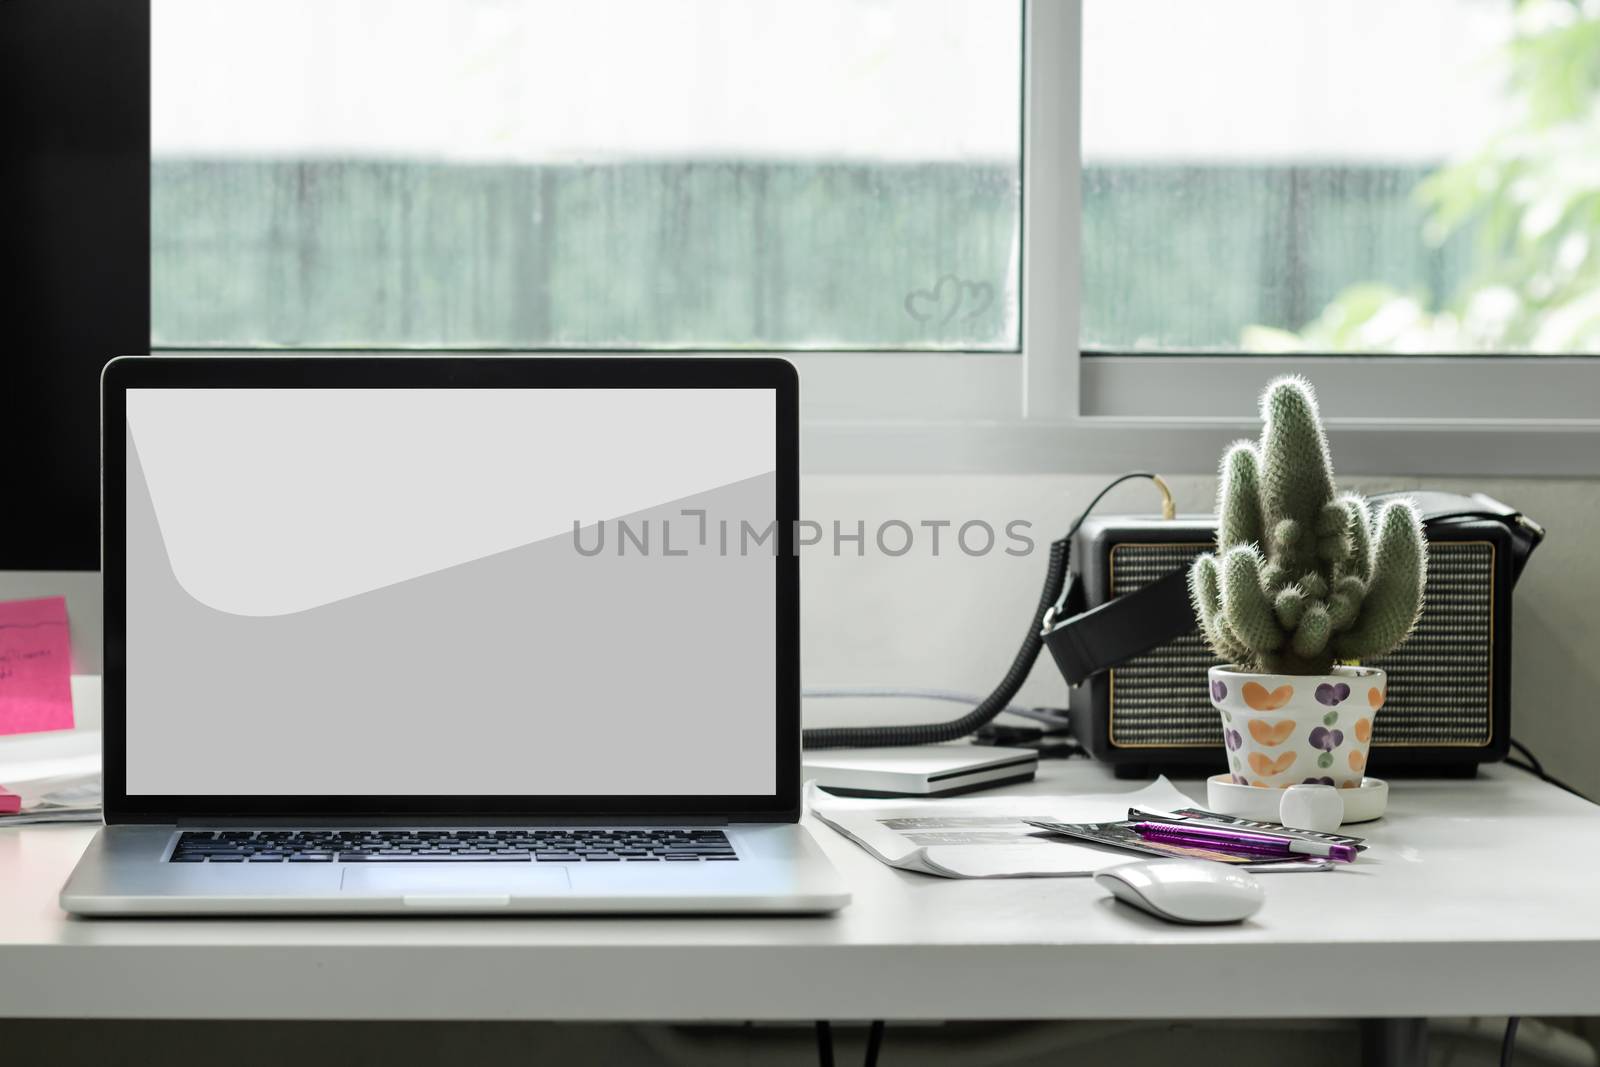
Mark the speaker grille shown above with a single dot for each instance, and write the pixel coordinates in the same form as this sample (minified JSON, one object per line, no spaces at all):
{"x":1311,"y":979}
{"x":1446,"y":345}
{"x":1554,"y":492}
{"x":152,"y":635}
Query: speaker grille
{"x":1440,"y":681}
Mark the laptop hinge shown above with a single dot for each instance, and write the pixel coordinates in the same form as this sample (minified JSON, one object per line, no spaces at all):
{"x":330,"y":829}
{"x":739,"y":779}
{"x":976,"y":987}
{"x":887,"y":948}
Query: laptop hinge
{"x":297,"y":821}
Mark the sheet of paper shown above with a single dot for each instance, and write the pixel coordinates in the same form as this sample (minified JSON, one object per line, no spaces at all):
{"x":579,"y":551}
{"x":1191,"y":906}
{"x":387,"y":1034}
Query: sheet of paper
{"x":65,"y":798}
{"x":986,"y":837}
{"x":35,"y":666}
{"x":25,"y":757}
{"x":55,"y":776}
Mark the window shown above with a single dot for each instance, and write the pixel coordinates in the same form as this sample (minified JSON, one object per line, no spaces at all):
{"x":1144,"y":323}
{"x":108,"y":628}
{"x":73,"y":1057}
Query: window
{"x":1400,"y":200}
{"x":623,"y":174}
{"x":1341,"y":176}
{"x":995,"y":236}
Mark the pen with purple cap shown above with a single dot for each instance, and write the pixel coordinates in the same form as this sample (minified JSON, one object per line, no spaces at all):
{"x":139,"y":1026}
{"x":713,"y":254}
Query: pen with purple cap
{"x":1227,"y":839}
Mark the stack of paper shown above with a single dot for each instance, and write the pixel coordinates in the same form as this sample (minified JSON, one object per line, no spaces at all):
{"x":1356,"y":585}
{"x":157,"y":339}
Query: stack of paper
{"x":52,"y":777}
{"x":994,"y":837}
{"x":62,"y":798}
{"x":987,"y":837}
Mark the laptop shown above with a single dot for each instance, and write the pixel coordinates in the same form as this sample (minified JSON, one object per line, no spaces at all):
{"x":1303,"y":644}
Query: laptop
{"x":462,"y":635}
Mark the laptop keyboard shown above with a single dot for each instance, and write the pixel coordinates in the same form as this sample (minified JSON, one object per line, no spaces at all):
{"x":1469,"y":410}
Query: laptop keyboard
{"x":453,"y":846}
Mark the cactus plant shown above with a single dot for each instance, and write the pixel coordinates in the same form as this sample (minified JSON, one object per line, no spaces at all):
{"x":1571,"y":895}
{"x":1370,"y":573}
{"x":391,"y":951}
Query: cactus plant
{"x":1303,"y":576}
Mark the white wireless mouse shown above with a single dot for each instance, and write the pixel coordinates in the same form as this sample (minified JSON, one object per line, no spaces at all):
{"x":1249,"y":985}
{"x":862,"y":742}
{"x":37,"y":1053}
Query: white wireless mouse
{"x":1185,"y":891}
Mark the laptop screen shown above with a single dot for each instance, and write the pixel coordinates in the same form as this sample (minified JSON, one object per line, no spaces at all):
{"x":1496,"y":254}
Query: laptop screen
{"x":451,"y":592}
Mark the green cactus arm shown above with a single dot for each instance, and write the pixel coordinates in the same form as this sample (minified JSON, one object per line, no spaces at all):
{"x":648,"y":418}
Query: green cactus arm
{"x":1240,"y":656}
{"x":1394,"y":595}
{"x":1332,"y":519}
{"x":1290,"y":606}
{"x":1360,"y":530}
{"x":1229,"y":644}
{"x":1206,"y":596}
{"x":1296,"y":472}
{"x":1314,"y":584}
{"x":1203,"y":592}
{"x":1245,"y":605}
{"x":1239,"y":498}
{"x":1310,"y":639}
{"x":1344,"y":603}
{"x":1334,"y":542}
{"x":1287,"y":544}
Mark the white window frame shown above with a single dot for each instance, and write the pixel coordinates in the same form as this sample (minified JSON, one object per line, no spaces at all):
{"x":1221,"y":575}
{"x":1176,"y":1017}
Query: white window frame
{"x":1051,"y":408}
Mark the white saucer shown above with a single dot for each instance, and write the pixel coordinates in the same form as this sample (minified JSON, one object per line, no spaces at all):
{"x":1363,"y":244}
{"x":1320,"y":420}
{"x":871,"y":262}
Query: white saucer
{"x":1227,"y":797}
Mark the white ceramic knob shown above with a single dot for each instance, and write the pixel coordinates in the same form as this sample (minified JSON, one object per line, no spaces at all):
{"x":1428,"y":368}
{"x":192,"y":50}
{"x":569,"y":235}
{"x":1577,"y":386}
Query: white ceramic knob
{"x":1311,"y":807}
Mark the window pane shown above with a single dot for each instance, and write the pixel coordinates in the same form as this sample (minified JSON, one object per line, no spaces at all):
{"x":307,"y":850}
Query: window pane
{"x":1342,"y":175}
{"x":616,"y":174}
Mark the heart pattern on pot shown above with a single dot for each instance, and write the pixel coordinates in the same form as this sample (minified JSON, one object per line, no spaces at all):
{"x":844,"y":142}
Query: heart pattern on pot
{"x":1271,"y":734}
{"x":1266,"y":766}
{"x":1326,"y":739}
{"x":1332,"y":694}
{"x":1260,"y":698}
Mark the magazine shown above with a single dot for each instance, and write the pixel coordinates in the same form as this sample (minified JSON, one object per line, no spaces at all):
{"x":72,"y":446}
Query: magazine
{"x":1124,"y":835}
{"x":996,"y":837}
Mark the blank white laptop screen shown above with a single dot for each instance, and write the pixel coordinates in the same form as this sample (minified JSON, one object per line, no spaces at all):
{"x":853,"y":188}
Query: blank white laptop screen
{"x":453,"y":592}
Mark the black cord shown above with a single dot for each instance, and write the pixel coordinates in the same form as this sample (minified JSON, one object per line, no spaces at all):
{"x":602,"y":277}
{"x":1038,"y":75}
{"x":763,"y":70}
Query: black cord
{"x":1527,"y":754}
{"x":992,"y":705}
{"x":1535,"y":768}
{"x":996,"y":701}
{"x":874,"y":1043}
{"x":1508,"y":1045}
{"x":824,"y":1043}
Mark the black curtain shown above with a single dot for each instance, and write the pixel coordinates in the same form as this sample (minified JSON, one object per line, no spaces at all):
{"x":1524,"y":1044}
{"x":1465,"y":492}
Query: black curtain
{"x":75,"y":190}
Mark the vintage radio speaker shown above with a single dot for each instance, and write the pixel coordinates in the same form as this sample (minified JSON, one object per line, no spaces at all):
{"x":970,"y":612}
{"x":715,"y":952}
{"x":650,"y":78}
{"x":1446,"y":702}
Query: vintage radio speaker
{"x":1448,"y":706}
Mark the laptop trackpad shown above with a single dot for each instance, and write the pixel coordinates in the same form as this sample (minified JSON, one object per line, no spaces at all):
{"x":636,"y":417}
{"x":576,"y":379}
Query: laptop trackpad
{"x":475,"y":885}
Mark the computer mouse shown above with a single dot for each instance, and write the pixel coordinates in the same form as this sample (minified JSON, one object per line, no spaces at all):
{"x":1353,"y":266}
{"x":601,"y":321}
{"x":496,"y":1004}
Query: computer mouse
{"x":1185,"y":891}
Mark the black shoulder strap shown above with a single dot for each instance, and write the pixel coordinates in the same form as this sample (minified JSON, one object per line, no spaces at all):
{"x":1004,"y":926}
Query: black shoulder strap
{"x":1088,"y":642}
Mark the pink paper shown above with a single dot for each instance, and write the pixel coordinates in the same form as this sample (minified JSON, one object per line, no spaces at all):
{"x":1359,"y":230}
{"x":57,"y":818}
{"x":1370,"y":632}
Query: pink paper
{"x":10,"y":803}
{"x":35,"y":666}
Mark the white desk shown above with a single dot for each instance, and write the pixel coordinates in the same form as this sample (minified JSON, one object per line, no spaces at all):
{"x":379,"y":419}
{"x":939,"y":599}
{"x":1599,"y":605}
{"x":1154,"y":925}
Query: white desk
{"x":1476,"y":897}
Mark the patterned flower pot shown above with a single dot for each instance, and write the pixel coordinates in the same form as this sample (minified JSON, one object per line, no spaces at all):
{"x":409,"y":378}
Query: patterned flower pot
{"x":1285,"y":729}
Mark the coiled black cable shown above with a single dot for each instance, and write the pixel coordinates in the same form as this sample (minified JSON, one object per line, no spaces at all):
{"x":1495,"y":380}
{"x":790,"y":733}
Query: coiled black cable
{"x":935,"y":732}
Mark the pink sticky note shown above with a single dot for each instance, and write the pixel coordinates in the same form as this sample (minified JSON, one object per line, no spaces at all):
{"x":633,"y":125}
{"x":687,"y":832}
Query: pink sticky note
{"x":35,"y":666}
{"x":10,"y":803}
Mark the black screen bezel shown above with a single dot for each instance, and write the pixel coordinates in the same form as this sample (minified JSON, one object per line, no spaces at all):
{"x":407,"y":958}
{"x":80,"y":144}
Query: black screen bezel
{"x":445,"y":372}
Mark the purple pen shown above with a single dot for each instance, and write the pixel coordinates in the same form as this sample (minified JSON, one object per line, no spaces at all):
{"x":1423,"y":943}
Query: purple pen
{"x":1243,"y":841}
